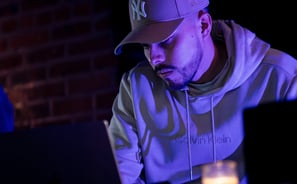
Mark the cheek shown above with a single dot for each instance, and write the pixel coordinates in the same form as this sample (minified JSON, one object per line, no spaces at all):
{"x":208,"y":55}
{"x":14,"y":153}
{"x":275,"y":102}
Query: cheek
{"x":185,"y":50}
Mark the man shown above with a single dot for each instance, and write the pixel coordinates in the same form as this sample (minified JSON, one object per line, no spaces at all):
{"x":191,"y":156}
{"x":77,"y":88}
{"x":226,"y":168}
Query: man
{"x":182,"y":108}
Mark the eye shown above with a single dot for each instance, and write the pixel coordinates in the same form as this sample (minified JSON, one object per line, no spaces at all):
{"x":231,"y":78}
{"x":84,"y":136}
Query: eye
{"x":167,"y":43}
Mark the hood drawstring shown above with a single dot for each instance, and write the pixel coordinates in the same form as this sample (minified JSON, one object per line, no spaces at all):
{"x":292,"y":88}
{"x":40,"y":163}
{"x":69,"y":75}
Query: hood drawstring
{"x":189,"y":134}
{"x":213,"y":131}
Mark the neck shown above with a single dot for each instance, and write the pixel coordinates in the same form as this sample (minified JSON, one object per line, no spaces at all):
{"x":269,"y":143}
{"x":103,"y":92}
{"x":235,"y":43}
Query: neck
{"x":217,"y":64}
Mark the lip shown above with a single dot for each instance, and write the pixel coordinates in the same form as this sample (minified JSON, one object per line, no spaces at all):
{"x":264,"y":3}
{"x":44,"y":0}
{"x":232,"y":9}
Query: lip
{"x":164,"y":73}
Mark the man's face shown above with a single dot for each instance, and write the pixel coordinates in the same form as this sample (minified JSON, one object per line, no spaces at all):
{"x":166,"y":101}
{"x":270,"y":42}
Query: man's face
{"x":177,"y":59}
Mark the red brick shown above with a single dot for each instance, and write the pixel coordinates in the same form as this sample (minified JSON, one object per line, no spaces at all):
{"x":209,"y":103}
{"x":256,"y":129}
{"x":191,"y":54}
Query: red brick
{"x":29,"y":39}
{"x":72,"y":105}
{"x":66,"y":68}
{"x":46,"y":53}
{"x":46,"y":91}
{"x":28,"y":75}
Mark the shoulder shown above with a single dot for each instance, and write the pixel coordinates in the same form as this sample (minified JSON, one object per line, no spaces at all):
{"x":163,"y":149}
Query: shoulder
{"x":281,"y":60}
{"x":141,"y":71}
{"x":141,"y":77}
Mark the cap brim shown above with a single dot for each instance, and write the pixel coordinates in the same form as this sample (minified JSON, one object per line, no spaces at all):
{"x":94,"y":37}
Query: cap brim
{"x":149,"y":33}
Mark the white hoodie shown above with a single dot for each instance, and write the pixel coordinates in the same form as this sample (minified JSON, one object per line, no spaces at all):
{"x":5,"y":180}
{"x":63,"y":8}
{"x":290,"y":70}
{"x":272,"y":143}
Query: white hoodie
{"x":165,"y":135}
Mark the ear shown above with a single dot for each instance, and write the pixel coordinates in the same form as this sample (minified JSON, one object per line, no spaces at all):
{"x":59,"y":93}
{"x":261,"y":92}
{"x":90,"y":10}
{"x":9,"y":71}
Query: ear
{"x":206,"y":23}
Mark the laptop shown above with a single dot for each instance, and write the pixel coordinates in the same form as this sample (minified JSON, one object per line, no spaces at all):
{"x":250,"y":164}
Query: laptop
{"x":270,"y":143}
{"x":78,"y":153}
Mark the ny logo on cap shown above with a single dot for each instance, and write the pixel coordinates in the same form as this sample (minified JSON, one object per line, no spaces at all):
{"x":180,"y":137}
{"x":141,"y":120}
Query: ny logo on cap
{"x":137,"y":7}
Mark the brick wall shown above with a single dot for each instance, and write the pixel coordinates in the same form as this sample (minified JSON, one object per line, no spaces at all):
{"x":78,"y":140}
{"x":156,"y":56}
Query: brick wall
{"x":56,"y":56}
{"x":56,"y":60}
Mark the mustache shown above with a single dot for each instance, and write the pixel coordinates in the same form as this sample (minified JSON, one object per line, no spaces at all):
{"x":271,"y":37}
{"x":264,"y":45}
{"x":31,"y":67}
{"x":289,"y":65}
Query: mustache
{"x":163,"y":67}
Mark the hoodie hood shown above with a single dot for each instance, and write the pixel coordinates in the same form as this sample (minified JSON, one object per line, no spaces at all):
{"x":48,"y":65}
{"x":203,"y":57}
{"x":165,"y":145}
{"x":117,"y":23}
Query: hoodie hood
{"x":245,"y":52}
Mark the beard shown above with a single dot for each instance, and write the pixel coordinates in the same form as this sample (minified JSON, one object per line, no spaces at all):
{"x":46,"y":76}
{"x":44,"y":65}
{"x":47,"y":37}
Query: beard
{"x":181,"y":77}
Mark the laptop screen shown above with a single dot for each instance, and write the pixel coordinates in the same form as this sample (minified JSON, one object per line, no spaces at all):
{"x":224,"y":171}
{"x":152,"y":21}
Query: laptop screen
{"x":61,"y":154}
{"x":270,"y":140}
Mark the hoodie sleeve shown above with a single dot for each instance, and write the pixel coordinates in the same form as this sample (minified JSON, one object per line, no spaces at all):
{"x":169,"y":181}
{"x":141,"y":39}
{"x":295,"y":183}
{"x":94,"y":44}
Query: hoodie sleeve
{"x":286,"y":65}
{"x":122,"y":129}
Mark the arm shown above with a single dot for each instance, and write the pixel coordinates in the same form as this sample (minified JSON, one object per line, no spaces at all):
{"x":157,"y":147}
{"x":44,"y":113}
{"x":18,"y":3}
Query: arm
{"x":123,"y":133}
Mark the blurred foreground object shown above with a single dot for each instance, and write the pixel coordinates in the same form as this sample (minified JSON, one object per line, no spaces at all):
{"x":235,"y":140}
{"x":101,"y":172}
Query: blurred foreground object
{"x":220,"y":172}
{"x":6,"y":113}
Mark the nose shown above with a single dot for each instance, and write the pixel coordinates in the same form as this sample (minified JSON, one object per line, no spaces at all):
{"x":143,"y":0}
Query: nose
{"x":156,"y":54}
